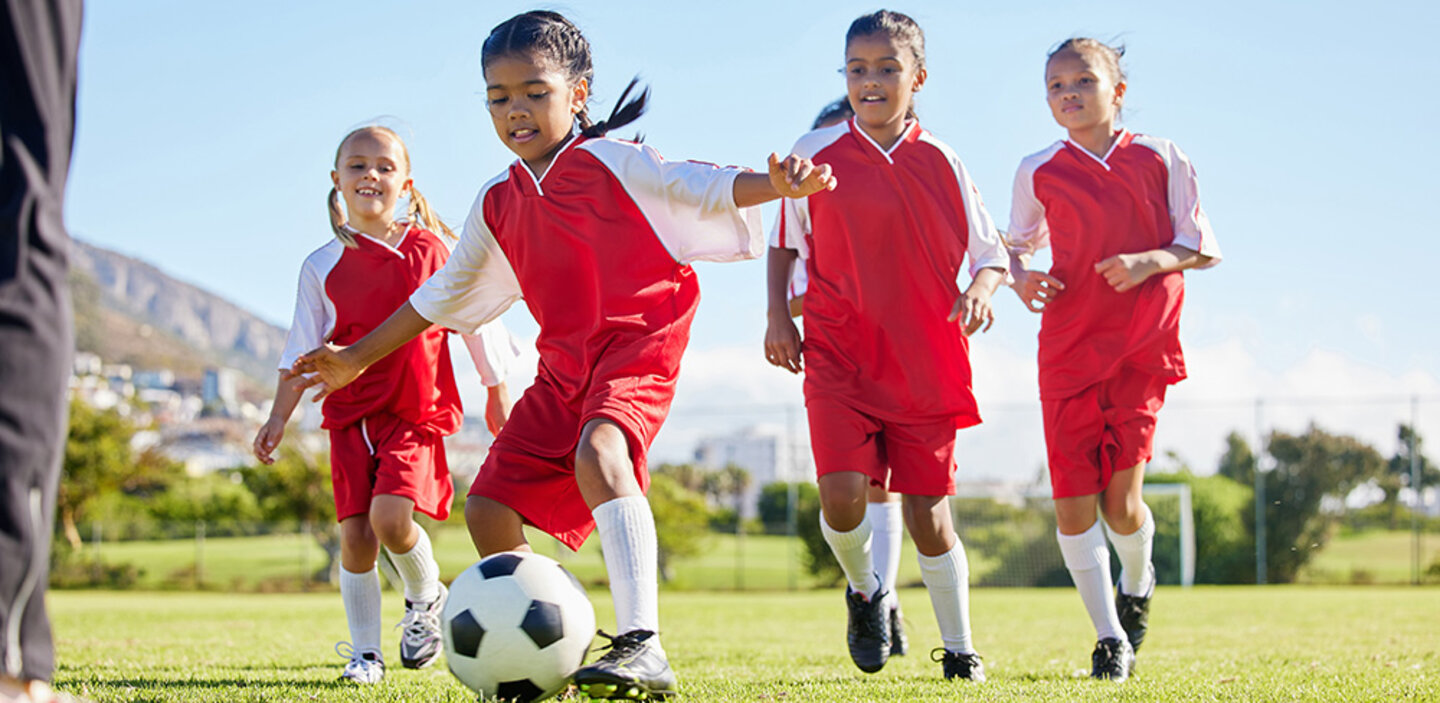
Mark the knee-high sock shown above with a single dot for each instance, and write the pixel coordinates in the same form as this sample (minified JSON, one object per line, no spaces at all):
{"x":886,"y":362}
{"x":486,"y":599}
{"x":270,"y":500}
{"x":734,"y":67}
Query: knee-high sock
{"x":1088,"y":560}
{"x":887,"y":526}
{"x":852,"y":550}
{"x":361,"y":595}
{"x":1134,"y":550}
{"x":418,"y":570}
{"x":947,"y":578}
{"x":627,"y":535}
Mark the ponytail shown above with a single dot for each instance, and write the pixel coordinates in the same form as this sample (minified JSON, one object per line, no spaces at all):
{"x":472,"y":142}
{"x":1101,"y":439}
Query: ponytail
{"x":624,"y":112}
{"x":422,"y":214}
{"x":337,"y":220}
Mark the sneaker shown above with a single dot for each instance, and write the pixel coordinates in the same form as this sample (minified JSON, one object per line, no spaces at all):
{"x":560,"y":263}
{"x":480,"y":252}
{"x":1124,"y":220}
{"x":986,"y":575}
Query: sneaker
{"x":869,"y":631}
{"x":633,"y":669}
{"x":420,"y":638}
{"x":959,"y":666}
{"x":899,"y":644}
{"x":1134,"y":612}
{"x":1113,"y":659}
{"x":363,"y":667}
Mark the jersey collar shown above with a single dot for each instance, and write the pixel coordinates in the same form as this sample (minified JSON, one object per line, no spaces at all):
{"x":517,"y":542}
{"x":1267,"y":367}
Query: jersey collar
{"x":381,"y":243}
{"x":536,"y":181}
{"x":1122,"y":139}
{"x":912,"y":128}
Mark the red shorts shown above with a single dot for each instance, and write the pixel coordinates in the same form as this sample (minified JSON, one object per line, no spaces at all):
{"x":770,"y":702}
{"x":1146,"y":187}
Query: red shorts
{"x":531,"y":465}
{"x":1105,"y":428}
{"x":913,"y":459}
{"x":384,"y":455}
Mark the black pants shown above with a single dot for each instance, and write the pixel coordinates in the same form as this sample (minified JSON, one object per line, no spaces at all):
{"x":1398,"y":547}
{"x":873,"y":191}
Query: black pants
{"x":38,"y":44}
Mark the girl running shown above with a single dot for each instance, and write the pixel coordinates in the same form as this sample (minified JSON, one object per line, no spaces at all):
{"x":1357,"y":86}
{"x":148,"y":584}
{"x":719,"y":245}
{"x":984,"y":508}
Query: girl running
{"x":387,"y":460}
{"x":597,"y":236}
{"x":1121,"y":213}
{"x":886,"y":355}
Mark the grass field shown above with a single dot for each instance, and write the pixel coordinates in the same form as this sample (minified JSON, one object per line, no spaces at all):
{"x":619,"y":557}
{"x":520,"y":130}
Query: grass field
{"x":1376,"y":556}
{"x":1232,"y":644}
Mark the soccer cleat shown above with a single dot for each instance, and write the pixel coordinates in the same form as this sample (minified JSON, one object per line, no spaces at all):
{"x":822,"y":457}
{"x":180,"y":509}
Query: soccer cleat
{"x":869,"y":631}
{"x":1134,"y":612}
{"x":899,"y":644}
{"x":363,"y":667}
{"x":420,"y":638}
{"x":1112,"y":659}
{"x":959,"y":666}
{"x":633,"y":669}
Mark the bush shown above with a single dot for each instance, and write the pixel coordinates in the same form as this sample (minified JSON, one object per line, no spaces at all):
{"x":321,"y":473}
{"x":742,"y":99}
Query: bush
{"x":1224,"y":548}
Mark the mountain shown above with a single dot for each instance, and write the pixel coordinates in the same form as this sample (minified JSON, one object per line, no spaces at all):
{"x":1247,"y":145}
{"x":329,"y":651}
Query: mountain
{"x":129,"y":311}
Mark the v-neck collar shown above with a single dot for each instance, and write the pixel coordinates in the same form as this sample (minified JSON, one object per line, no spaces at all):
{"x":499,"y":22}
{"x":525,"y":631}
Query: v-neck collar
{"x":1122,"y":138}
{"x":910,"y":127}
{"x":536,"y":181}
{"x":381,"y":243}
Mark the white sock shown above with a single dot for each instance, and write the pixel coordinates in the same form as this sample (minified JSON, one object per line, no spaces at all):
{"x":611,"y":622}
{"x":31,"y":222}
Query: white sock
{"x":418,"y":570}
{"x":852,"y":550}
{"x":1136,"y":573}
{"x":361,"y":595}
{"x":888,"y":526}
{"x":632,"y":559}
{"x":1088,"y":560}
{"x":947,"y":578}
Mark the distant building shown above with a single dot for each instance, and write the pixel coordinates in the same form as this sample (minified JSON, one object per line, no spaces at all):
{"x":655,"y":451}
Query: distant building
{"x":765,"y":452}
{"x":218,"y":390}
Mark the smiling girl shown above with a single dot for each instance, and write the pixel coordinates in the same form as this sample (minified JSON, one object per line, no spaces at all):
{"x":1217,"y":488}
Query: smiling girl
{"x":387,"y":460}
{"x":1121,"y":213}
{"x":886,"y":354}
{"x":597,"y":236}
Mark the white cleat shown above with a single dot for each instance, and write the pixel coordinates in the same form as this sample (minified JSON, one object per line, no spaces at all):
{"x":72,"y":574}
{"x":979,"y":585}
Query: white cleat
{"x":363,"y":668}
{"x":420,"y":637}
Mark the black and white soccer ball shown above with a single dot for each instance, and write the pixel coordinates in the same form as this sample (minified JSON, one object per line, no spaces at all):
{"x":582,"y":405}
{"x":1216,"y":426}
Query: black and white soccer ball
{"x":516,"y":626}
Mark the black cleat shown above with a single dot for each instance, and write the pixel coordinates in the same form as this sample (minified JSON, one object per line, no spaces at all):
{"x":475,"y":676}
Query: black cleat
{"x":899,"y":644}
{"x":1134,"y":612}
{"x":869,"y":630}
{"x":1113,"y":659}
{"x":959,"y":666}
{"x":632,"y":670}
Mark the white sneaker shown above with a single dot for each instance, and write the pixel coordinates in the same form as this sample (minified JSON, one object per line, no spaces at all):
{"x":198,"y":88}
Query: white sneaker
{"x":420,"y":637}
{"x":363,"y":667}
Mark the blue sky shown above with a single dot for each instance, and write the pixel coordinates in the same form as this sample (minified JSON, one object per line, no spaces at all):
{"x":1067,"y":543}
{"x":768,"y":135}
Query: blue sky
{"x":206,"y":132}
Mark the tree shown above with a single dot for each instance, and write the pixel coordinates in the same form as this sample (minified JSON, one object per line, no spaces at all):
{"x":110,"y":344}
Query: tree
{"x":1308,"y":469}
{"x":1397,"y":475}
{"x":297,"y":489}
{"x":1238,"y":462}
{"x":97,"y":460}
{"x":681,"y":520}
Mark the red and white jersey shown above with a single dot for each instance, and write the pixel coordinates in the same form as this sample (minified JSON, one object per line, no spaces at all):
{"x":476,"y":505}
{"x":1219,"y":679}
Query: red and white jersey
{"x":600,"y":247}
{"x":884,"y":252}
{"x":1142,"y":195}
{"x":344,"y":293}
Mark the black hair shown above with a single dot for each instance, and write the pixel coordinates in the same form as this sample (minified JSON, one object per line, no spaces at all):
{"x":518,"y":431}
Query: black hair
{"x":548,"y":36}
{"x":898,"y":26}
{"x":837,"y":110}
{"x":1109,"y":54}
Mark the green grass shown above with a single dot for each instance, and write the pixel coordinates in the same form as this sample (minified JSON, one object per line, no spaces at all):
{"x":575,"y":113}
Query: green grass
{"x":1375,"y":556}
{"x":1239,"y":643}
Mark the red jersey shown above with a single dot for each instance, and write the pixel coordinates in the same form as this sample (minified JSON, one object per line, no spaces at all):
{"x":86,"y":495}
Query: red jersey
{"x":883,"y":254}
{"x":599,"y":246}
{"x":1142,"y":195}
{"x":344,"y":293}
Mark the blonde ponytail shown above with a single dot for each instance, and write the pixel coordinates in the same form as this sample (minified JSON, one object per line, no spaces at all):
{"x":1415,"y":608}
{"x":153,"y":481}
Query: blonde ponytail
{"x":337,"y":220}
{"x":422,"y":214}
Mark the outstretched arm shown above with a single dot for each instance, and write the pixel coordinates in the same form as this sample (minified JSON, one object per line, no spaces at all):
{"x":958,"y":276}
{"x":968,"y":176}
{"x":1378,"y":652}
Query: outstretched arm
{"x":1126,"y":271}
{"x":782,"y":338}
{"x":792,"y":177}
{"x":334,"y":367}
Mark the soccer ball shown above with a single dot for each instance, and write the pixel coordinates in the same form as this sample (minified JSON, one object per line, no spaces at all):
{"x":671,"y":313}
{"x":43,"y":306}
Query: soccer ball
{"x":516,"y":626}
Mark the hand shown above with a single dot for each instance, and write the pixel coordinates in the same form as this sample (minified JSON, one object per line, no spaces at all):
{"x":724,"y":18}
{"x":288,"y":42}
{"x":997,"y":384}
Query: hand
{"x":782,"y":343}
{"x":1125,"y":271}
{"x":797,"y":177}
{"x":497,"y":408}
{"x":268,"y":438}
{"x":1037,"y":289}
{"x":326,"y":367}
{"x":972,"y":310}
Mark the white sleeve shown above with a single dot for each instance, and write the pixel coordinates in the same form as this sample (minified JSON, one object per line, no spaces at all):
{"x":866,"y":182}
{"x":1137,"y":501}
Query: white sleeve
{"x":494,"y":351}
{"x":1028,"y":232}
{"x":983,"y":244}
{"x":690,"y":205}
{"x":314,"y":319}
{"x":477,"y":282}
{"x":1192,"y":227}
